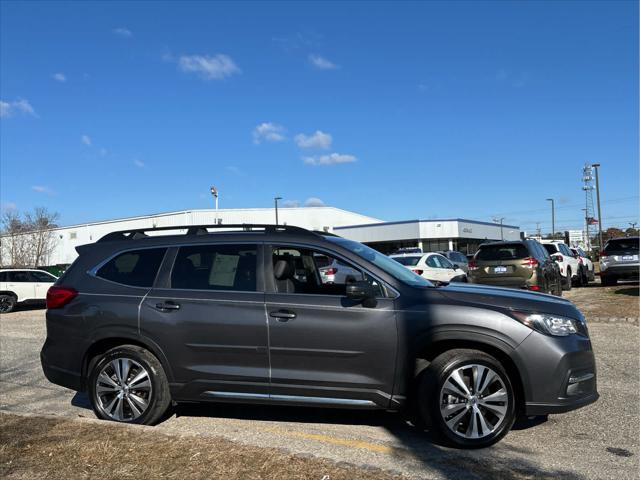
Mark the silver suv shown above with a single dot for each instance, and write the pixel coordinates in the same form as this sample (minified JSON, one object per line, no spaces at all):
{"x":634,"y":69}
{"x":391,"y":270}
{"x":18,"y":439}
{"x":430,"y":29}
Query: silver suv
{"x":619,"y":260}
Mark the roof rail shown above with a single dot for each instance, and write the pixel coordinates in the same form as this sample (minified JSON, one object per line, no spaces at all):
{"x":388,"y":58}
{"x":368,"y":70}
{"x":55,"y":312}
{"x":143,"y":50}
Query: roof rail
{"x":138,"y":233}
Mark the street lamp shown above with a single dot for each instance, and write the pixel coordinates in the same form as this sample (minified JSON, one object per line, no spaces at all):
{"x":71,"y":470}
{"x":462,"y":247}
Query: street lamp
{"x":214,"y":192}
{"x":595,"y":167}
{"x":499,"y":220}
{"x":553,"y":217}
{"x":276,"y":202}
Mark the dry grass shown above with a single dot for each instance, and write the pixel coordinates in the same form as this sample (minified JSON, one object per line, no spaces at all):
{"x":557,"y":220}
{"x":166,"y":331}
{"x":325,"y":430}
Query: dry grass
{"x":34,"y":447}
{"x":598,"y":303}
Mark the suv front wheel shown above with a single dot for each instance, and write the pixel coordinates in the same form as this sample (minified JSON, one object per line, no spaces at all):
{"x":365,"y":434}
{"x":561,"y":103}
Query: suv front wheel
{"x":467,"y":398}
{"x":127,"y":384}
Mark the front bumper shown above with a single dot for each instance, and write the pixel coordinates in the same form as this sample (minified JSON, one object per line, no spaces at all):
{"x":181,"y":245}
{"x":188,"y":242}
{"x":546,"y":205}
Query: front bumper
{"x":558,"y":373}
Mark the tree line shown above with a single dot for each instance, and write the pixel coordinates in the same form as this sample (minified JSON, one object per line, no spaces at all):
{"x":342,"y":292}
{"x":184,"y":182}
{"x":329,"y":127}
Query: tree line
{"x":27,"y":239}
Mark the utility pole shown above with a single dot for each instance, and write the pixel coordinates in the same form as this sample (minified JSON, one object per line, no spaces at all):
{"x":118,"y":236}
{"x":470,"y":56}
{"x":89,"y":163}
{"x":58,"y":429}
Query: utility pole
{"x":214,"y":192}
{"x":276,"y":202}
{"x":595,"y":166}
{"x":499,"y":220}
{"x":538,"y":230}
{"x":633,"y":225}
{"x":553,"y":217}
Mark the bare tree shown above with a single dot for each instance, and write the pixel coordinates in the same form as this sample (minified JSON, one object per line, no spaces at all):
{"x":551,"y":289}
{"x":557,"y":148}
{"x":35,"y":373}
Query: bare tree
{"x":14,"y":243}
{"x":40,"y":224}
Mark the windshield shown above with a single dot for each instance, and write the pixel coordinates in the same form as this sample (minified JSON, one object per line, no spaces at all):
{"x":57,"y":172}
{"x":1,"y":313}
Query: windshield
{"x":383,"y":262}
{"x":407,"y":261}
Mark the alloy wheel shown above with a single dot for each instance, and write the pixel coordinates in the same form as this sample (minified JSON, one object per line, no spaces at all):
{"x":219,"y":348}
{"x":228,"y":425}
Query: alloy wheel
{"x":6,"y":304}
{"x":123,"y":389}
{"x":474,"y":401}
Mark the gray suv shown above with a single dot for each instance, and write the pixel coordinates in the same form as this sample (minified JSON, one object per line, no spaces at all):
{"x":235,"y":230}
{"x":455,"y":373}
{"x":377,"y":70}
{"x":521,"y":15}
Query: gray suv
{"x":619,"y":260}
{"x":241,"y":314}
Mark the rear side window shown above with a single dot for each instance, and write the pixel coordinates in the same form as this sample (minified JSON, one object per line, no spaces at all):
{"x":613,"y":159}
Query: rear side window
{"x":621,"y":244}
{"x":19,"y":277}
{"x":215,"y":267}
{"x":512,"y":251}
{"x":550,"y":248}
{"x":407,"y":261}
{"x":137,"y":268}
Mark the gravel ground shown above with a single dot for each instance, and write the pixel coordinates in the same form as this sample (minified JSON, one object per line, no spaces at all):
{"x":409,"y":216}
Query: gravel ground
{"x":599,"y":441}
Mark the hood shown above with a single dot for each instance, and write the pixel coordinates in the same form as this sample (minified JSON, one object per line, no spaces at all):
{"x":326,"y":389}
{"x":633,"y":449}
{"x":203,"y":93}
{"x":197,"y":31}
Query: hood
{"x":510,"y":299}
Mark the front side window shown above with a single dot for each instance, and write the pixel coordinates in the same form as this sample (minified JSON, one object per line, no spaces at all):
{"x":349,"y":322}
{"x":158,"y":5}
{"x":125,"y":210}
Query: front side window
{"x":137,"y":268}
{"x":216,"y":267}
{"x":305,"y":271}
{"x":432,"y":261}
{"x":550,"y":248}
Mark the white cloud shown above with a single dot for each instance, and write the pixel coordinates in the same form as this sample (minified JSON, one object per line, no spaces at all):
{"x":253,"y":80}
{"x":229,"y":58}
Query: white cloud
{"x":269,"y":132}
{"x":331,"y":159}
{"x":59,"y":77}
{"x":42,"y":189}
{"x":123,"y":32}
{"x":215,"y":67}
{"x":290,"y":203}
{"x":313,"y":202}
{"x":138,"y":163}
{"x":21,"y":106}
{"x":321,"y":63}
{"x":86,"y":139}
{"x":316,"y":140}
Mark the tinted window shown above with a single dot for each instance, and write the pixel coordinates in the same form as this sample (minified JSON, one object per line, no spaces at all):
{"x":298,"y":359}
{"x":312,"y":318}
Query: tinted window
{"x":42,"y":277}
{"x":19,"y":277}
{"x":3,"y":276}
{"x":621,"y":244}
{"x":137,"y":268}
{"x":550,"y":248}
{"x":215,"y":267}
{"x":513,"y":251}
{"x":460,"y":258}
{"x":407,"y":261}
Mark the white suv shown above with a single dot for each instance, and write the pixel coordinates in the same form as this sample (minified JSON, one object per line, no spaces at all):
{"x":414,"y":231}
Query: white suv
{"x":432,"y":266}
{"x":567,"y":261}
{"x":23,"y":286}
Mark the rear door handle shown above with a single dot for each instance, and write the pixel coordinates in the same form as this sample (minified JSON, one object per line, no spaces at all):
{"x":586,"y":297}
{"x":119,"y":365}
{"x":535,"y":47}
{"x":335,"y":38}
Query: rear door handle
{"x":168,"y":305}
{"x":283,"y":315}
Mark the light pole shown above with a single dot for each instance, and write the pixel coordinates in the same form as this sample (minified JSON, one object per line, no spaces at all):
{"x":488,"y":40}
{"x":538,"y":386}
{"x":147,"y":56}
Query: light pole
{"x":214,"y":192}
{"x":499,"y":220}
{"x":276,"y":202}
{"x":595,"y":166}
{"x":553,"y":217}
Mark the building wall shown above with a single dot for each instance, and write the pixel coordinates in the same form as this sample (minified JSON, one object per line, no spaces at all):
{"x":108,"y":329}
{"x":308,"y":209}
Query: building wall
{"x":312,"y":218}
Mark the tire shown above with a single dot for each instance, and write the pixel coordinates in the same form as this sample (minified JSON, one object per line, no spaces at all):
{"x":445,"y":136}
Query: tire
{"x":145,"y":398}
{"x":558,"y":287}
{"x":567,"y":284}
{"x":493,"y":420}
{"x":7,"y":303}
{"x":608,"y":281}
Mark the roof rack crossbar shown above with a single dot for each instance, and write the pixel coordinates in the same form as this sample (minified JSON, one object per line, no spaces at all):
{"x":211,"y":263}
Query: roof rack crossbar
{"x":137,"y":233}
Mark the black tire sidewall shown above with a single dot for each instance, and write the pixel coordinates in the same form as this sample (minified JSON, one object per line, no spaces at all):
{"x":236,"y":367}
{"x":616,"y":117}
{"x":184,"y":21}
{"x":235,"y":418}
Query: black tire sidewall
{"x":430,"y":390}
{"x":159,"y":384}
{"x":12,"y":302}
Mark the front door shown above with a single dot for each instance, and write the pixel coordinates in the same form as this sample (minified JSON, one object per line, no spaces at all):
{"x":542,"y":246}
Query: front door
{"x":326,"y":349}
{"x":206,"y":313}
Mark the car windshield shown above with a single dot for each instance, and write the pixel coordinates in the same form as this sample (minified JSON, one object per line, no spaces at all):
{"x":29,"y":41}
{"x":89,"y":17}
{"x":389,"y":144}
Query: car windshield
{"x":383,"y":262}
{"x":407,"y":261}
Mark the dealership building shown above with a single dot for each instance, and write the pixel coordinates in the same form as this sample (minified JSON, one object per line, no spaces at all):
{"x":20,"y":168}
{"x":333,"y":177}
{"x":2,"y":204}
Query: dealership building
{"x":449,"y":234}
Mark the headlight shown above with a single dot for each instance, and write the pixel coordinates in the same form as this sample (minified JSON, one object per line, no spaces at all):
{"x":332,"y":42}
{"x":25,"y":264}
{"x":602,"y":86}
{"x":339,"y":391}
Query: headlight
{"x":550,"y":324}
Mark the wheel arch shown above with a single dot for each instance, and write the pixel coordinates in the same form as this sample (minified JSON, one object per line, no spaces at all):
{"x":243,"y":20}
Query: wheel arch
{"x":9,"y":292}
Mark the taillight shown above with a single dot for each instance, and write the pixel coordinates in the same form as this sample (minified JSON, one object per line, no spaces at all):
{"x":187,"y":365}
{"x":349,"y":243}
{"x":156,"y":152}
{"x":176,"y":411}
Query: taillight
{"x":530,"y":262}
{"x":603,"y":255}
{"x":330,"y":271}
{"x":473,"y":265}
{"x":417,"y":270}
{"x":58,"y":297}
{"x":535,"y":288}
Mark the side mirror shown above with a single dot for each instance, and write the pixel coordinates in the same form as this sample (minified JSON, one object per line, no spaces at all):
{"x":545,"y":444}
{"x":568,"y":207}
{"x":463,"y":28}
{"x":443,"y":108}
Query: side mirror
{"x":360,"y":291}
{"x":456,"y":267}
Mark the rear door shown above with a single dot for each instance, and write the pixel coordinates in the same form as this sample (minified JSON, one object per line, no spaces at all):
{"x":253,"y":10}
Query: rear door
{"x":43,"y":281}
{"x":326,"y":349}
{"x":21,"y":283}
{"x":206,"y":313}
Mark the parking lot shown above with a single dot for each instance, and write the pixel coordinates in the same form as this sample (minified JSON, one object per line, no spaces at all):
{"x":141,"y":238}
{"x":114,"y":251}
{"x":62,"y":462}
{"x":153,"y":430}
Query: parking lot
{"x":598,"y":441}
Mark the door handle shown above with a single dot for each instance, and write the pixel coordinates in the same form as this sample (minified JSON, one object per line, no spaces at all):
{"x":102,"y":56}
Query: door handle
{"x":168,"y":305}
{"x":283,"y":315}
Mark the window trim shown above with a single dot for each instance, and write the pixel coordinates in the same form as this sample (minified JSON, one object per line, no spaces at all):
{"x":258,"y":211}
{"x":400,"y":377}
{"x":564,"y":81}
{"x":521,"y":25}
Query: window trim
{"x":270,"y":287}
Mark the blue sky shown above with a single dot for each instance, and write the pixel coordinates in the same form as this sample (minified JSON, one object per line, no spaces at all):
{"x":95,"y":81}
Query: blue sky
{"x":395,"y":110}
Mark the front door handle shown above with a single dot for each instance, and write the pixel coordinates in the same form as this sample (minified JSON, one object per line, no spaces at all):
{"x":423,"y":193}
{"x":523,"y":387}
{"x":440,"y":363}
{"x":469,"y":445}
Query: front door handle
{"x":283,"y":315}
{"x":168,"y":305}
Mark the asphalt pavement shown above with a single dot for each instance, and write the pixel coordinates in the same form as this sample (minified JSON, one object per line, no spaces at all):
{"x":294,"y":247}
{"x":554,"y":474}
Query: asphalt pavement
{"x":600,"y":441}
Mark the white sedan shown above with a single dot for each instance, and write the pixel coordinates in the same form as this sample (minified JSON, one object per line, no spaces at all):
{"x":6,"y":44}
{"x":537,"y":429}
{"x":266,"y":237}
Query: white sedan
{"x":432,"y":266}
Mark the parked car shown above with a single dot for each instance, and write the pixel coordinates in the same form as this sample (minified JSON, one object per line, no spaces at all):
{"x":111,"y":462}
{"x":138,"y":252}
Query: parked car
{"x":457,"y":258}
{"x":23,"y":286}
{"x":587,"y":270}
{"x":516,"y":264}
{"x":143,"y":321}
{"x":567,"y":261}
{"x":334,"y":271}
{"x":432,"y":266}
{"x":619,"y":260}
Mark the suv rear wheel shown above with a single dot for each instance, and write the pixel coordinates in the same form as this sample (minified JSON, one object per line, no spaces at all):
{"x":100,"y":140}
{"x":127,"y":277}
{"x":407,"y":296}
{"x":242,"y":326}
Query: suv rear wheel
{"x":7,"y":303}
{"x":467,"y":398}
{"x":127,"y":384}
